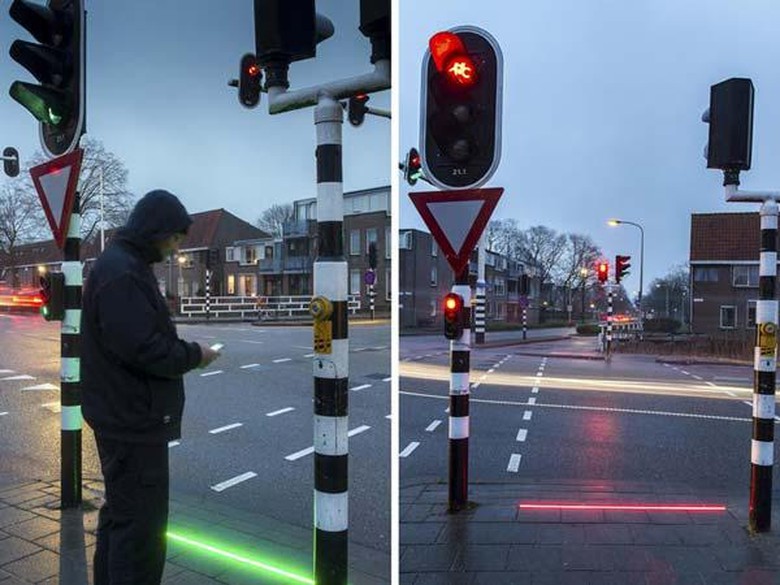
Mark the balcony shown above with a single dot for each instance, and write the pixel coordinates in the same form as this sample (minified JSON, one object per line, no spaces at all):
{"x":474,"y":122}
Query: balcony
{"x":269,"y":266}
{"x":298,"y":264}
{"x":299,"y":228}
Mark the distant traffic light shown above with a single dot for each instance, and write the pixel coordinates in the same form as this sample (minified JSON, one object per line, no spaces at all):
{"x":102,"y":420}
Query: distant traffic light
{"x":372,"y":255}
{"x":603,"y":271}
{"x":356,"y":110}
{"x":461,"y":108}
{"x":53,"y":295}
{"x":453,"y":316}
{"x":412,"y":166}
{"x":249,"y":81}
{"x":730,"y":116}
{"x":621,"y":267}
{"x":11,"y":161}
{"x":58,"y":64}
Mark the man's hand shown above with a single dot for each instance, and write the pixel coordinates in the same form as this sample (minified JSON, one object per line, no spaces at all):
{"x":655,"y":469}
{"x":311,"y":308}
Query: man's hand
{"x":208,"y":355}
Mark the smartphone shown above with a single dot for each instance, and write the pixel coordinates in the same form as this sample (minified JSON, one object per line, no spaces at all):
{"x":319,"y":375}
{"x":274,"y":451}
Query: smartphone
{"x":217,"y":346}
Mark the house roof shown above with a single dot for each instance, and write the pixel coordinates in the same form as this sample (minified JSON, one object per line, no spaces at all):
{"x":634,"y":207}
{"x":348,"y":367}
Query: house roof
{"x":725,"y":236}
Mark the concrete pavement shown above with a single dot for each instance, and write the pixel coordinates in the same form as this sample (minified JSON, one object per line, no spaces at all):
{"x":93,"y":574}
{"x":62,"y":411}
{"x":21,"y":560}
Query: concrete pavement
{"x":42,"y":544}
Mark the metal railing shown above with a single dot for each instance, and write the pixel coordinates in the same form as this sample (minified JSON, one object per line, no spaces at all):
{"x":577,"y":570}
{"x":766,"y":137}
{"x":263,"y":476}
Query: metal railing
{"x":255,"y":307}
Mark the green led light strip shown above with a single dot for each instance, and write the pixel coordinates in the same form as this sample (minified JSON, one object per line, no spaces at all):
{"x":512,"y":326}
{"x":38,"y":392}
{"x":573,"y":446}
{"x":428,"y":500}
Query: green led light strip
{"x":239,"y":558}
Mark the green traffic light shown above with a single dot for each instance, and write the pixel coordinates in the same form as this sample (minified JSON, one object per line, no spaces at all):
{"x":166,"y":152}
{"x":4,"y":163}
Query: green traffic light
{"x":46,"y":105}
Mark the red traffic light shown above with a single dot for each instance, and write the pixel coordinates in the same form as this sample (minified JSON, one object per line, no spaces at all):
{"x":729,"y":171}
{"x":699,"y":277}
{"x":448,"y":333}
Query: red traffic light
{"x":451,"y":58}
{"x":452,"y":302}
{"x":603,"y":271}
{"x":453,"y":316}
{"x":253,"y":70}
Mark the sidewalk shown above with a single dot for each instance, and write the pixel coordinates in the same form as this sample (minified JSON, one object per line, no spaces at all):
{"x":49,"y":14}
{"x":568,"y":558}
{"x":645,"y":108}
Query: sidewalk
{"x":497,"y":543}
{"x":44,"y":545}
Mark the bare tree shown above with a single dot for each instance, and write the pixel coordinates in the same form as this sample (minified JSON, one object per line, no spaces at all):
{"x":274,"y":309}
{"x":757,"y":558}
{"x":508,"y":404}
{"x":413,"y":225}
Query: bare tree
{"x":542,"y":248}
{"x":21,"y":220}
{"x":580,"y":252}
{"x":272,"y":219}
{"x":117,"y":200}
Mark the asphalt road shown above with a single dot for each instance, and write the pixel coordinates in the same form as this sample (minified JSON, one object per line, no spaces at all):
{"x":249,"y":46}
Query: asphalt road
{"x":247,"y":431}
{"x":542,"y":418}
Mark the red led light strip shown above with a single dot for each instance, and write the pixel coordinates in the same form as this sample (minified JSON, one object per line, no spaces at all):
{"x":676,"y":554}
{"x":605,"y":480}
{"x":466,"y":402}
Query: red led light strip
{"x":627,"y":507}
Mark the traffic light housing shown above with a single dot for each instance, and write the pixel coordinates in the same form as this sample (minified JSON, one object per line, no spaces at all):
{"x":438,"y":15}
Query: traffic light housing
{"x":412,"y":166}
{"x":730,"y":117}
{"x":58,"y":65}
{"x":453,"y":316}
{"x":524,"y":284}
{"x":603,"y":271}
{"x":53,"y":295}
{"x":11,"y":161}
{"x":375,"y":24}
{"x":621,"y":267}
{"x":461,"y":108}
{"x":250,"y":81}
{"x":372,"y":255}
{"x":356,"y":109}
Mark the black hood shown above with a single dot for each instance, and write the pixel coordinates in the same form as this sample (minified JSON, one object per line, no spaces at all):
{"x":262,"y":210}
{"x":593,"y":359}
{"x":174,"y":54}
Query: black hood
{"x":157,"y":215}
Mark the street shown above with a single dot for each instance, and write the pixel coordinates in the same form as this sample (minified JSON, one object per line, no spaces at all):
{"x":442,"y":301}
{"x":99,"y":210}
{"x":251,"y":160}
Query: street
{"x":558,"y":419}
{"x":247,"y":431}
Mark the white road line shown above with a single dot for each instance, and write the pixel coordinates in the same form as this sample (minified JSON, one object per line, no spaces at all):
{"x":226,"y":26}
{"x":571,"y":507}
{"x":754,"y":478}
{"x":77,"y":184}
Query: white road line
{"x":41,"y":387}
{"x":249,"y":366}
{"x":309,"y":355}
{"x":522,"y":434}
{"x":282,"y":360}
{"x":226,"y":428}
{"x":214,"y":373}
{"x":527,"y":415}
{"x":590,"y":408}
{"x":3,"y":413}
{"x":282,"y":411}
{"x":173,"y":444}
{"x":535,"y":390}
{"x":514,"y":463}
{"x":748,"y":403}
{"x":21,"y":377}
{"x":686,"y":373}
{"x":250,"y":341}
{"x":387,"y":379}
{"x":231,"y":482}
{"x":432,"y":427}
{"x":389,"y":416}
{"x":532,"y":400}
{"x":695,"y":377}
{"x":310,"y":450}
{"x":409,"y":448}
{"x":6,"y":371}
{"x":361,"y":387}
{"x":490,"y":371}
{"x":54,"y":407}
{"x":475,"y":385}
{"x":710,"y":384}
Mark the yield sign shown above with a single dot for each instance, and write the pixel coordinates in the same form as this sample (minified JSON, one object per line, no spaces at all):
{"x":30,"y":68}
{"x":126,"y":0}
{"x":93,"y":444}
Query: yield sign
{"x":56,"y":182}
{"x":457,"y":219}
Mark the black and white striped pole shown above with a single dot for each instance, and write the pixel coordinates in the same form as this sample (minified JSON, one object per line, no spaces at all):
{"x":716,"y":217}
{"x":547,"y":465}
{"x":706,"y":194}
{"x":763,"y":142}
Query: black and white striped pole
{"x":460,"y":367}
{"x":208,"y":293}
{"x":609,"y":320}
{"x":331,"y":364}
{"x":70,"y":373}
{"x":525,"y":320}
{"x":371,"y":297}
{"x":479,"y":310}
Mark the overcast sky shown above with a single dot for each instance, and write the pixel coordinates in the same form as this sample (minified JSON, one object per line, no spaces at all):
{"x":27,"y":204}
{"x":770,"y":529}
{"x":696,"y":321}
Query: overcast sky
{"x":157,"y":73}
{"x":602,"y":108}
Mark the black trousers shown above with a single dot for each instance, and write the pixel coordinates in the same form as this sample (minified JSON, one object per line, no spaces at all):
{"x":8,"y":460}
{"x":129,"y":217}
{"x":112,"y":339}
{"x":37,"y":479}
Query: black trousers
{"x":131,"y":541}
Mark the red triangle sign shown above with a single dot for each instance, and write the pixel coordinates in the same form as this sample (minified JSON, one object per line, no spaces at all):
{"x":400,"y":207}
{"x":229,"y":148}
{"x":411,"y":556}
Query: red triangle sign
{"x":457,"y":219}
{"x":56,"y":182}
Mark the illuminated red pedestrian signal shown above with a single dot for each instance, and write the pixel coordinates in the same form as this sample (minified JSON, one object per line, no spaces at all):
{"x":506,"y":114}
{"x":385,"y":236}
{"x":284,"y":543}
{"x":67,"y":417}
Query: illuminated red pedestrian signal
{"x":412,"y":166}
{"x":250,"y":81}
{"x":461,"y":108}
{"x":357,"y":108}
{"x":603,"y":271}
{"x":453,"y":316}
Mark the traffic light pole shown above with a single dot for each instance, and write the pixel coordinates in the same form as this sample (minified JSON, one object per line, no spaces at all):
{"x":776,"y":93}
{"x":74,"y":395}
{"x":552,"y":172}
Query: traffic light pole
{"x":70,"y":373}
{"x":479,"y":311}
{"x":460,"y":366}
{"x":609,"y":321}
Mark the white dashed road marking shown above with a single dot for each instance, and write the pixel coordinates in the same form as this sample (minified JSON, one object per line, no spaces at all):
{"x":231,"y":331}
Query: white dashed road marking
{"x":249,"y":366}
{"x":231,"y":482}
{"x":41,"y":387}
{"x":310,"y":450}
{"x":514,"y":463}
{"x":282,"y":411}
{"x":214,"y":373}
{"x":409,"y":448}
{"x":361,"y":387}
{"x":173,"y":444}
{"x":226,"y":428}
{"x":21,"y":377}
{"x":282,"y":360}
{"x":432,"y":427}
{"x":521,"y":435}
{"x":527,"y":415}
{"x":387,"y":379}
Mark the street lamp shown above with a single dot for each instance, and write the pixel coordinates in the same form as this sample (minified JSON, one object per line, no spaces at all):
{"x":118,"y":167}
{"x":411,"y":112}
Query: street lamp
{"x":583,"y":278}
{"x":616,"y":222}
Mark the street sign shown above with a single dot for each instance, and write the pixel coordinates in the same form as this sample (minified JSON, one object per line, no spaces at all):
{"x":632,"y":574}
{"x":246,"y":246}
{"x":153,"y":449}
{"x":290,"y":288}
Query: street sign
{"x":457,"y":219}
{"x":56,"y":182}
{"x":370,"y":277}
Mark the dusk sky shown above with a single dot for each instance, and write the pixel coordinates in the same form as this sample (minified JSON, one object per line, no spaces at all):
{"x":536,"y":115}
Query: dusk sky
{"x":157,"y":97}
{"x":602,"y":112}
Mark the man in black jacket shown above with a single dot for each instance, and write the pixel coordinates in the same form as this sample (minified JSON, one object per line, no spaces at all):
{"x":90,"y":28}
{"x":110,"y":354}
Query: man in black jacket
{"x":132,"y":365}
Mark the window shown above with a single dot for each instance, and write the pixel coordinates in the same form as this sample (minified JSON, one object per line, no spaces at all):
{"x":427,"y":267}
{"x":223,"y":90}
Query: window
{"x":231,"y":284}
{"x":355,"y":282}
{"x":405,"y":241}
{"x":250,"y":255}
{"x":354,"y":243}
{"x":728,"y":317}
{"x":499,"y":286}
{"x":388,"y":283}
{"x":434,"y":248}
{"x":434,"y":275}
{"x":750,"y":322}
{"x":269,"y":252}
{"x":705,"y":274}
{"x":371,"y":237}
{"x":388,"y":242}
{"x":745,"y":275}
{"x":229,"y":254}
